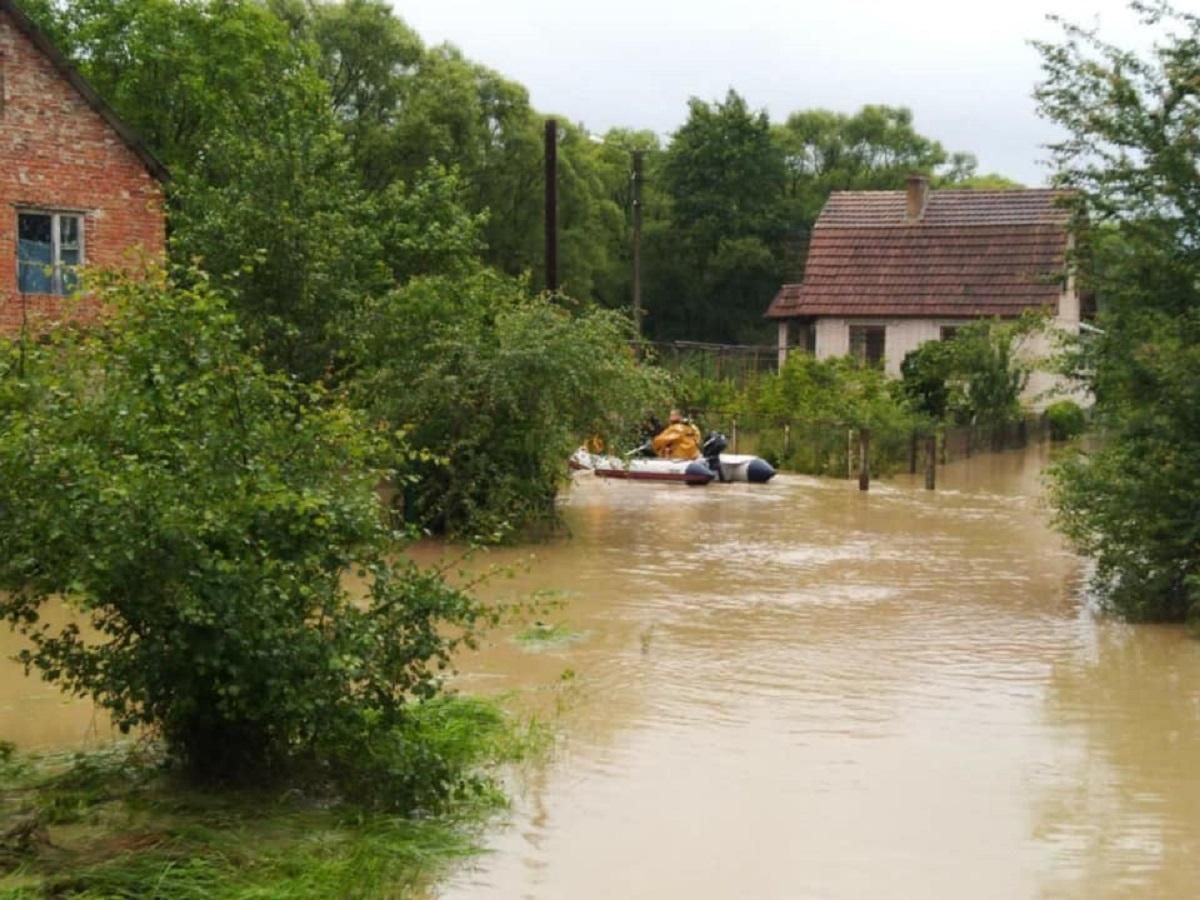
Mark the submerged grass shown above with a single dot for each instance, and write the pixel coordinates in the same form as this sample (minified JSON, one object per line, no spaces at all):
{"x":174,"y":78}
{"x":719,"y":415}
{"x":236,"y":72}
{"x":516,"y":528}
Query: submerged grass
{"x":116,"y":823}
{"x":544,"y":636}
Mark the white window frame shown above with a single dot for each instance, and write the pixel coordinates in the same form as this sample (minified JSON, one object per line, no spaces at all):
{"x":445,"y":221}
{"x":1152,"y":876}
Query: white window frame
{"x":56,"y":263}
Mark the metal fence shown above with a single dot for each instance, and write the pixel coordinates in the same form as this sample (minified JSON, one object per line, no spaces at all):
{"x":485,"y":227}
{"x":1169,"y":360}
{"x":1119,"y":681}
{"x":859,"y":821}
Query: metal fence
{"x":732,"y":362}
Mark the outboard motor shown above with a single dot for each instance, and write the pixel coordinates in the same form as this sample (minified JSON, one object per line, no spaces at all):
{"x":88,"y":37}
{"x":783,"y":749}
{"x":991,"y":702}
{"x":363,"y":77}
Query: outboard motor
{"x":712,"y":448}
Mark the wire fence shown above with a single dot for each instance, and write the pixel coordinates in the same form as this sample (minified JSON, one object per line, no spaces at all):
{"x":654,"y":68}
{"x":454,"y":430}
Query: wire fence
{"x":737,"y":363}
{"x":835,"y":449}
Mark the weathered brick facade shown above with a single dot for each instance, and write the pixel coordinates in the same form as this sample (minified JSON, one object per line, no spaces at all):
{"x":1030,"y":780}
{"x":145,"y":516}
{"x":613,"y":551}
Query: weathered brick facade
{"x":62,"y":150}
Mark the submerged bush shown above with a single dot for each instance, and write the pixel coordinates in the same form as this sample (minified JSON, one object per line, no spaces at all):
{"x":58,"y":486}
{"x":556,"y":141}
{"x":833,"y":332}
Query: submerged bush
{"x":200,"y":514}
{"x":822,"y":401}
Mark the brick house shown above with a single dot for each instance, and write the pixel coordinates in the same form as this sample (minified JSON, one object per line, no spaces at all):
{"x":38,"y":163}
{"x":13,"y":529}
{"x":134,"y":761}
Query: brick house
{"x":889,"y":270}
{"x":77,"y":187}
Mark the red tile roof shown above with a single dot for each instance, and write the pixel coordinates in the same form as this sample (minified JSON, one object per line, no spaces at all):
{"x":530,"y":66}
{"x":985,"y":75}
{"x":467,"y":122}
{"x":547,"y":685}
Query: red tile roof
{"x":972,"y":253}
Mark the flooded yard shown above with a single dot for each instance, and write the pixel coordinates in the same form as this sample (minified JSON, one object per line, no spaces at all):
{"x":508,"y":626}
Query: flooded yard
{"x":800,"y":690}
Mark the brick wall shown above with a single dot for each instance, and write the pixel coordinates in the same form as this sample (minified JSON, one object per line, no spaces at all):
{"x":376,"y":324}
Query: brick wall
{"x":57,"y":153}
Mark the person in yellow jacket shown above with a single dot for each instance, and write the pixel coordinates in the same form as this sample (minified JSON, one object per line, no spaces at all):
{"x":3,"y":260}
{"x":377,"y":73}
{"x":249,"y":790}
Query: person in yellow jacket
{"x":679,"y":440}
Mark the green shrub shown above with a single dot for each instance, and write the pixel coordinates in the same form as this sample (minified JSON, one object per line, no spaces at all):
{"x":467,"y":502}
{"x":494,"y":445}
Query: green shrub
{"x":501,"y":387}
{"x":1066,"y":420}
{"x":201,"y":515}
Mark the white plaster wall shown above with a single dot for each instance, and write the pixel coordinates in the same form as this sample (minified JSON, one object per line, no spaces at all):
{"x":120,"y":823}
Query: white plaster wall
{"x":906,"y":335}
{"x":833,"y":338}
{"x":903,"y":336}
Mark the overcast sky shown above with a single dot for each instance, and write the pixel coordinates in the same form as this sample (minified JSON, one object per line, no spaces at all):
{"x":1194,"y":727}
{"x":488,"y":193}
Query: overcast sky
{"x":964,"y":67}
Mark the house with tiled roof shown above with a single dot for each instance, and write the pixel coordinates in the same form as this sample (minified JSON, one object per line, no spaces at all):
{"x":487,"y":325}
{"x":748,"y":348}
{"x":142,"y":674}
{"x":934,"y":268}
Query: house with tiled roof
{"x":77,"y":186}
{"x":889,"y":270}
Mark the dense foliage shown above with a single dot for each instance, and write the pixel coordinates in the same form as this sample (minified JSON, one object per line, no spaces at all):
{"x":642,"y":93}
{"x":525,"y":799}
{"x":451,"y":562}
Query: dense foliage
{"x":297,"y":132}
{"x":1131,"y":155}
{"x":802,"y":417}
{"x":201,"y":516}
{"x":975,"y":378}
{"x":504,"y":385}
{"x":1066,"y":419}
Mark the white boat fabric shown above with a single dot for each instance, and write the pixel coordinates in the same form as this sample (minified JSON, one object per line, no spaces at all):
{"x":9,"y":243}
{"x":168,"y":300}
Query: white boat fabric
{"x":730,"y":467}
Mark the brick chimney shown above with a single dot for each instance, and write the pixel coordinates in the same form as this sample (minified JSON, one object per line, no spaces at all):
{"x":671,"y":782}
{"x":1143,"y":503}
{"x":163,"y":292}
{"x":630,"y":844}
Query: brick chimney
{"x":917,"y":197}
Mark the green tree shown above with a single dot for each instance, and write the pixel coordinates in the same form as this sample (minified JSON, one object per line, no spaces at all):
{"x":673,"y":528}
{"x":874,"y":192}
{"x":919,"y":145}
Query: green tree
{"x":264,"y":191}
{"x":181,"y":71}
{"x":876,"y":148}
{"x":201,"y":515}
{"x":715,"y":265}
{"x":1130,"y":156}
{"x":976,"y":377}
{"x":501,"y":386}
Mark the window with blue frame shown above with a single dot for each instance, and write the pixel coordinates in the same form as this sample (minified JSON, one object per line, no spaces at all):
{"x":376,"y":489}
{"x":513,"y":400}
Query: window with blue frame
{"x":49,"y":252}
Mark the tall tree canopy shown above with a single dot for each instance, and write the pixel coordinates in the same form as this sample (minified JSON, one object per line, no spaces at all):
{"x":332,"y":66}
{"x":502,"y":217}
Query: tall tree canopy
{"x":1132,"y":157}
{"x":279,"y":113}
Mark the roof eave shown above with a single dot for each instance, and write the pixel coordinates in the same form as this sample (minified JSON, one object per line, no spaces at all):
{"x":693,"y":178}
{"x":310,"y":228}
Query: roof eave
{"x":43,"y":43}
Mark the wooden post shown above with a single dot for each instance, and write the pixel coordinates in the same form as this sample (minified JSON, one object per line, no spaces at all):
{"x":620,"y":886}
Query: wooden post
{"x":551,"y":215}
{"x":864,"y":454}
{"x":912,"y":453}
{"x":637,"y":241}
{"x":734,"y":432}
{"x":930,"y":461}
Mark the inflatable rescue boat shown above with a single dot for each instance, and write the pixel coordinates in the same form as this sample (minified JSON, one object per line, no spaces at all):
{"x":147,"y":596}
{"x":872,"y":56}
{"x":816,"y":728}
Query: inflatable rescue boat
{"x":712,"y":465}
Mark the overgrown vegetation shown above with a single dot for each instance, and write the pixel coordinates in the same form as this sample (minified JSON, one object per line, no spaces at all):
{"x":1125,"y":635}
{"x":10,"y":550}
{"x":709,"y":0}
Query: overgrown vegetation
{"x":116,"y":822}
{"x":503,"y":385}
{"x":1131,"y":156}
{"x":294,"y":128}
{"x":201,"y":514}
{"x":974,"y":378}
{"x":1066,"y":420}
{"x":804,"y":416}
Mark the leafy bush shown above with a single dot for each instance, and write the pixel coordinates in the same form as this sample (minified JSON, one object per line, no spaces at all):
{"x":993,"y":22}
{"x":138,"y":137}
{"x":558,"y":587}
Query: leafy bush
{"x":1066,"y":419}
{"x":201,"y":515}
{"x":975,"y":378}
{"x":820,"y":401}
{"x":1129,"y":157}
{"x":500,"y":386}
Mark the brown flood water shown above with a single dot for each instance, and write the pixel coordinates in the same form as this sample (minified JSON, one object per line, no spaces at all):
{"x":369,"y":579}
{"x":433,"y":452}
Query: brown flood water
{"x":799,"y":690}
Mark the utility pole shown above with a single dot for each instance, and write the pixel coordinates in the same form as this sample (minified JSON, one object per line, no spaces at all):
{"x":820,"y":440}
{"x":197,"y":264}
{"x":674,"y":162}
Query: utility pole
{"x":637,"y":241}
{"x":551,"y":205}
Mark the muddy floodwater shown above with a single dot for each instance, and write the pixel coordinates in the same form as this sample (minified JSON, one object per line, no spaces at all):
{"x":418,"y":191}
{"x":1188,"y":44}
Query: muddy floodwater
{"x":799,"y":690}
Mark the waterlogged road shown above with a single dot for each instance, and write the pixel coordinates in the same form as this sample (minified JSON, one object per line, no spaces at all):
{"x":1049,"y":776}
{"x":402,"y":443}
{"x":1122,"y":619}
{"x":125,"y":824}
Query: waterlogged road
{"x":804,"y":691}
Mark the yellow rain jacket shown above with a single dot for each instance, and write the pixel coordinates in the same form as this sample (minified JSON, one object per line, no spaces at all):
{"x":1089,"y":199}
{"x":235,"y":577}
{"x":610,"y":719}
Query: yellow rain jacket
{"x":678,"y":441}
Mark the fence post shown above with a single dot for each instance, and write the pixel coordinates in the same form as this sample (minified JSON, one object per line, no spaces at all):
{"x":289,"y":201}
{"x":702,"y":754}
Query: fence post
{"x":864,"y":451}
{"x":930,"y":461}
{"x":912,"y":454}
{"x":735,"y":434}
